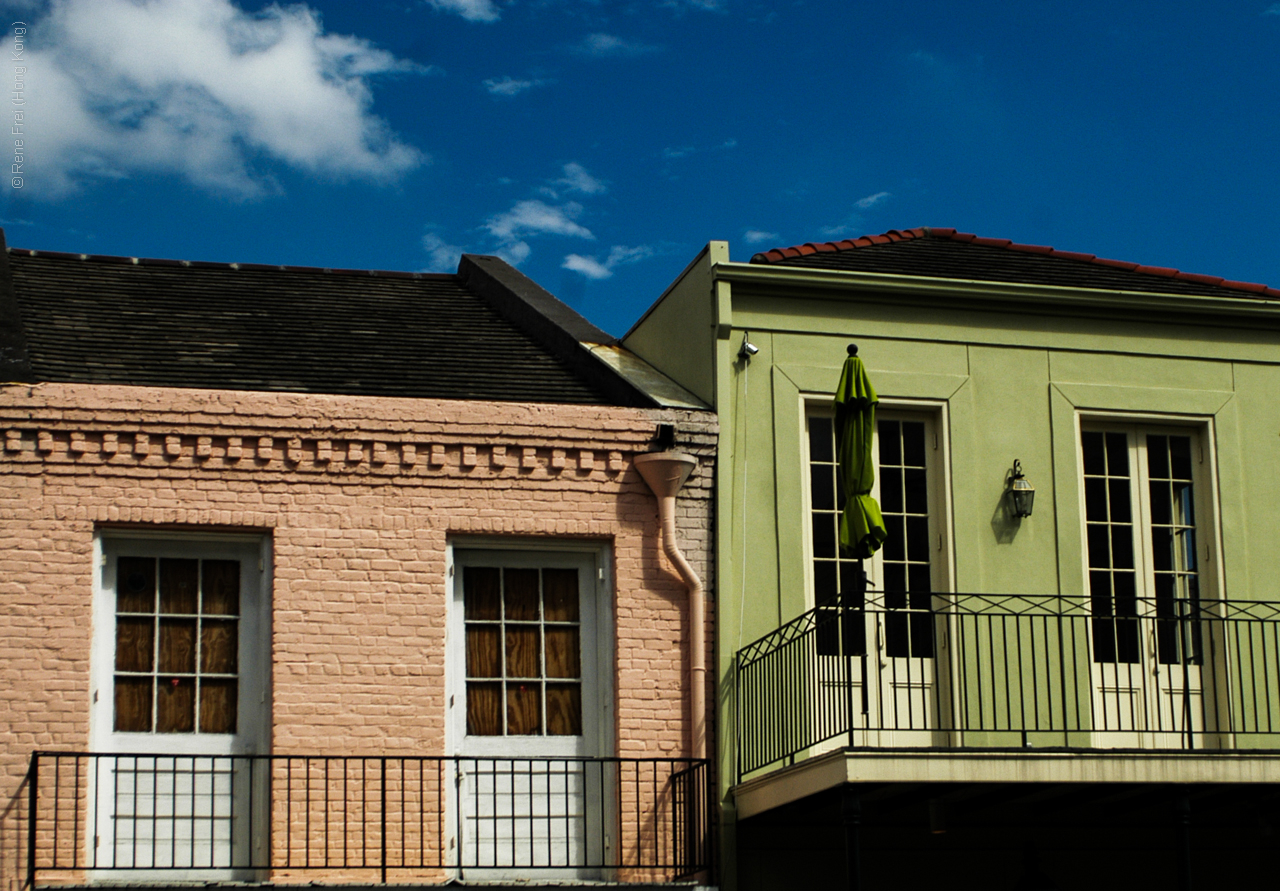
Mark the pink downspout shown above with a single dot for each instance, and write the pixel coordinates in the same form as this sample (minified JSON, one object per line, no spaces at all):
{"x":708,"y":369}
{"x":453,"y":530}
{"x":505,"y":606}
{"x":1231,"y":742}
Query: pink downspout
{"x":666,"y":472}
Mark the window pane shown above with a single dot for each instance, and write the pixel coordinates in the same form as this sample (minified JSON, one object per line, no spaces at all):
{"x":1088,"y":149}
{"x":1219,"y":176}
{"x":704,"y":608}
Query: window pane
{"x":918,"y":538}
{"x":824,"y":535}
{"x":1122,"y":547}
{"x":524,"y":656}
{"x":133,"y":705}
{"x":891,"y":490}
{"x":484,"y":709}
{"x":481,"y":593}
{"x":564,"y":710}
{"x":524,"y":709}
{"x":136,"y":585}
{"x":520,"y":594}
{"x":1180,"y":457}
{"x":890,"y":444}
{"x":1099,"y":546}
{"x":219,"y":646}
{"x":824,"y":579}
{"x":895,"y":544}
{"x":176,"y":705}
{"x":821,"y":438}
{"x":1120,"y":505}
{"x":1158,"y":457}
{"x":560,"y":595}
{"x":1117,"y":454}
{"x":916,"y":491}
{"x":135,"y":645}
{"x":563,"y":659}
{"x":918,"y":577}
{"x":1095,"y":463}
{"x":484,"y":656}
{"x":221,"y":587}
{"x":178,"y":586}
{"x":178,"y":646}
{"x":217,"y":706}
{"x":913,"y":444}
{"x":1095,"y":499}
{"x":822,"y":487}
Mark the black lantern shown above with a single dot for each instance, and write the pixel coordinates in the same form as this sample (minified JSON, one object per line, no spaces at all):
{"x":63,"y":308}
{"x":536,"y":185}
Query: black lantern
{"x":1021,"y":493}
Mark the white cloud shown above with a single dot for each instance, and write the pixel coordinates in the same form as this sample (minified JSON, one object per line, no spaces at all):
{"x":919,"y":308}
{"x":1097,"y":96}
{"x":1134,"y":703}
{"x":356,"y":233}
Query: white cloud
{"x":603,"y":45}
{"x":514,"y":253}
{"x":759,"y":236}
{"x":443,"y":256}
{"x":535,"y":217}
{"x":872,"y":200}
{"x":509,"y":86}
{"x":619,"y":255}
{"x":201,"y":88}
{"x":471,"y":10}
{"x":577,"y":179}
{"x":588,"y":266}
{"x":683,"y":151}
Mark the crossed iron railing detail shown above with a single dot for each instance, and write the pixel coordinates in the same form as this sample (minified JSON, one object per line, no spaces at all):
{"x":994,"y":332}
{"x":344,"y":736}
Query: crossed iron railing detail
{"x":1010,"y":670}
{"x":245,"y":817}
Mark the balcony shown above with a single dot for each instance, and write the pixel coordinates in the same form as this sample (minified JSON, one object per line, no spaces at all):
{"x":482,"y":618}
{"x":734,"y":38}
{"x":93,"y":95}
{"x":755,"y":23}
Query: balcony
{"x":982,"y":671}
{"x":156,"y":818}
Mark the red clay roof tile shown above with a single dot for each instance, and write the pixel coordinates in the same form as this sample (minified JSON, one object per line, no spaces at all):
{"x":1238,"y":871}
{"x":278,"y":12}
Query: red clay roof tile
{"x":895,"y":235}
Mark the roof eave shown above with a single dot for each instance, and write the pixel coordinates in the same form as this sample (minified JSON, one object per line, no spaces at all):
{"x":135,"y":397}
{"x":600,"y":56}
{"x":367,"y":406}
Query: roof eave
{"x":926,"y":289}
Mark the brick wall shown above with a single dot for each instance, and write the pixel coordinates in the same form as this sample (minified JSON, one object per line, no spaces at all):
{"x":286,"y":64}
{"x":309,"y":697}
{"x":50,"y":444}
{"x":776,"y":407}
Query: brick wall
{"x":359,"y":497}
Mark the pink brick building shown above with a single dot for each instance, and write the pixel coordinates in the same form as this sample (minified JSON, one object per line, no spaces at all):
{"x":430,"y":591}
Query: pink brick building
{"x":312,"y":575}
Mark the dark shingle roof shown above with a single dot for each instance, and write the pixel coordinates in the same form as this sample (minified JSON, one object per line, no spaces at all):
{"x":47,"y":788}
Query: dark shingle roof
{"x":946,"y":253}
{"x":118,"y":320}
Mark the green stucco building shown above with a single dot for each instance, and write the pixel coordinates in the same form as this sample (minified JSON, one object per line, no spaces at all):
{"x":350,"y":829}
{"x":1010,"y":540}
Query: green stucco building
{"x":1088,"y":696}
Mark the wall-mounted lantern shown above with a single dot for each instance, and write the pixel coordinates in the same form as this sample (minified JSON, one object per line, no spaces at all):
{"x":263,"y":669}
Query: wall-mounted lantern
{"x":1022,"y":494}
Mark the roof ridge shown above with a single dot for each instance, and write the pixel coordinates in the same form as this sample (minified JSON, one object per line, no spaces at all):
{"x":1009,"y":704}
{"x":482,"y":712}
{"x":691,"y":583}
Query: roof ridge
{"x":207,"y":264}
{"x":895,"y":235}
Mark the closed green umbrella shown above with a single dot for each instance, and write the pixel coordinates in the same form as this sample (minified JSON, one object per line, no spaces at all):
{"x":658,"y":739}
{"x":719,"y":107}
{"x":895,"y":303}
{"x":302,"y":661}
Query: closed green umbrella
{"x":861,"y":526}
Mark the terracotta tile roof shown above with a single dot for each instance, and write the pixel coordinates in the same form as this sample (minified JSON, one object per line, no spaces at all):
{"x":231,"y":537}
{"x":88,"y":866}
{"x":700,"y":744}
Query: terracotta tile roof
{"x":487,"y":332}
{"x":946,"y":253}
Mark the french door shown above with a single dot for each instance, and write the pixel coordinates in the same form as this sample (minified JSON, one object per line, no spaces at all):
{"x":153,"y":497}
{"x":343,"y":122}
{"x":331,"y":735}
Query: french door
{"x":1146,"y":532}
{"x":526,"y":715}
{"x":879,"y":646}
{"x":178,"y":701}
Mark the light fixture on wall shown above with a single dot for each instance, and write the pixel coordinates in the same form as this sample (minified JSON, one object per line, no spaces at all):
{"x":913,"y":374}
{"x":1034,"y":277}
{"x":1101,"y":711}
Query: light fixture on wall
{"x":748,"y":349}
{"x":1022,"y":495}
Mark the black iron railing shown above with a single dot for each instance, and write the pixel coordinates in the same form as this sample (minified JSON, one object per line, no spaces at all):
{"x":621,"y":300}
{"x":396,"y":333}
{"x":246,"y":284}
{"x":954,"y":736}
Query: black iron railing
{"x":246,"y":817}
{"x":1011,"y":670}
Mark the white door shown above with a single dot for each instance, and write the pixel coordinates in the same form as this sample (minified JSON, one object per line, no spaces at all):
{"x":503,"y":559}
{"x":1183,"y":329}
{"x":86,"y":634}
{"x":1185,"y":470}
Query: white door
{"x":179,"y":682}
{"x":526,"y":716}
{"x":1145,"y":534}
{"x":889,"y":638}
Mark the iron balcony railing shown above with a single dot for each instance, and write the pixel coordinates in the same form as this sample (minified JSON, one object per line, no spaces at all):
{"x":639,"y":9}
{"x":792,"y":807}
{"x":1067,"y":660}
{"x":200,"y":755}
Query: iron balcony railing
{"x":250,"y":817}
{"x":882,"y":670}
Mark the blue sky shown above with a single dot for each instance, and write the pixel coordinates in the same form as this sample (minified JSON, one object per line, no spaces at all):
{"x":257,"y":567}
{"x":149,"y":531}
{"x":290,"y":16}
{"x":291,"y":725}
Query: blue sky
{"x":599,"y":144}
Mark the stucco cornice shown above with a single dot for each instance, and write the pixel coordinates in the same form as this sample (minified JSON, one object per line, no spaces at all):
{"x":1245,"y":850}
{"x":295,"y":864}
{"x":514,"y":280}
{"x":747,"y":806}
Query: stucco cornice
{"x":833,"y":284}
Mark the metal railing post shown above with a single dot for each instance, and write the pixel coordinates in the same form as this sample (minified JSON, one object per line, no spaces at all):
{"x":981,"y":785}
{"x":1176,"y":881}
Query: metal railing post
{"x":33,"y":782}
{"x":383,"y":817}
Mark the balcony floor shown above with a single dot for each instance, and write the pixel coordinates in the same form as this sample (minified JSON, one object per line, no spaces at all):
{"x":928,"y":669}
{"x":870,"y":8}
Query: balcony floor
{"x":1033,"y":766}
